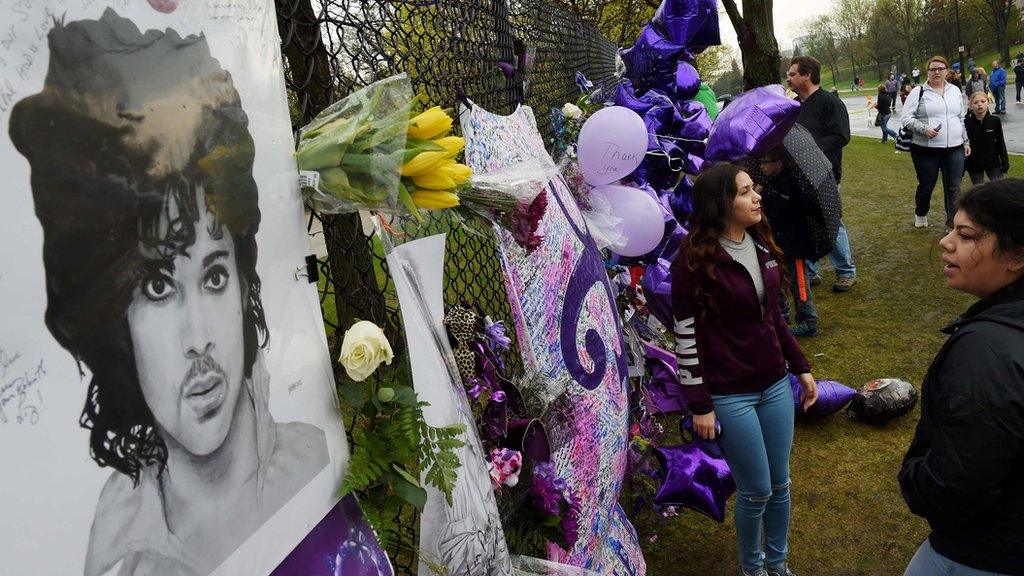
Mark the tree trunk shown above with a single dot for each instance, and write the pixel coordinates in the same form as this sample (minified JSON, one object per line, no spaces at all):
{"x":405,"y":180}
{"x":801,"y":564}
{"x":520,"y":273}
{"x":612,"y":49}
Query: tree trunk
{"x":758,"y":47}
{"x":352,"y":275}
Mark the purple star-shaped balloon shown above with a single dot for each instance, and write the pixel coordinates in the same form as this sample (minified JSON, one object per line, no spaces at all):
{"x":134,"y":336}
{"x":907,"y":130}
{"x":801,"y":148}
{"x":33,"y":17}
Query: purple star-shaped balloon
{"x":689,"y":23}
{"x":694,"y":479}
{"x":651,"y":62}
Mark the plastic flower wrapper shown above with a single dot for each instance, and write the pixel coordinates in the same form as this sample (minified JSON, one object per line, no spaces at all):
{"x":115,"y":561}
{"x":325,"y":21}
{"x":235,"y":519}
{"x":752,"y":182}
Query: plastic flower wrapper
{"x":513,"y":198}
{"x":357,"y":147}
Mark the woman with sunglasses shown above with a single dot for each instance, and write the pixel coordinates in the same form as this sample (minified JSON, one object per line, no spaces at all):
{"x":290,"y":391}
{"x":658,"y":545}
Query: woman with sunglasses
{"x":934,"y":113}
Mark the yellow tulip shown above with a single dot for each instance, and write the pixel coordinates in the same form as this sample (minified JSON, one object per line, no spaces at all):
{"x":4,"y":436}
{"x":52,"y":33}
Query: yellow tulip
{"x":434,"y":199}
{"x":430,"y":124}
{"x":434,"y":180}
{"x":424,"y":162}
{"x":459,"y":173}
{"x":451,"y":144}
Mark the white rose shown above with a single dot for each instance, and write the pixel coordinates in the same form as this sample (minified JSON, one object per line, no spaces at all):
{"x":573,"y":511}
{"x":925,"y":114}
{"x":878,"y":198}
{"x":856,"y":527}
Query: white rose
{"x":572,"y":111}
{"x":363,"y":348}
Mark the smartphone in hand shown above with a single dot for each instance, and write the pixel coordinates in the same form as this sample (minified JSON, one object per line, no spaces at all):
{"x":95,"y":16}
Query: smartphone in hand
{"x":939,"y":127}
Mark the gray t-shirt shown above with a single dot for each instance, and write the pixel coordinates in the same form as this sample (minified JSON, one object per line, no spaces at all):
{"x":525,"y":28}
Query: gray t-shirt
{"x":745,"y":253}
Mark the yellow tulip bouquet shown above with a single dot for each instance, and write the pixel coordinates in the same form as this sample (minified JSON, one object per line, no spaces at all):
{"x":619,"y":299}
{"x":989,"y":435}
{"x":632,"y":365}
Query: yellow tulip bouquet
{"x":365,"y":152}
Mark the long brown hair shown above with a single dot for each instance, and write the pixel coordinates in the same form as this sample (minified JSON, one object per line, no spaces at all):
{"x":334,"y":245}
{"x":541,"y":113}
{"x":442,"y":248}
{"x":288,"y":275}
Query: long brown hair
{"x":713,"y":194}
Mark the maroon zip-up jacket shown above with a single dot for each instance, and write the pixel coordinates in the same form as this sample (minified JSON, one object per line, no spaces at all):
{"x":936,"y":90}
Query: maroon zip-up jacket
{"x":736,"y":350}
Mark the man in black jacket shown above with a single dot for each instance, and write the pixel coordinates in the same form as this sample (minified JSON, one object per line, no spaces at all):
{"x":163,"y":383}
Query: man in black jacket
{"x":963,"y":469}
{"x":1018,"y":76}
{"x":824,"y":115}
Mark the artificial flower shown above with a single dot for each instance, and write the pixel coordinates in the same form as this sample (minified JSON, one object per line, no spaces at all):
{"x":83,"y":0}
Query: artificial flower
{"x":363,"y":349}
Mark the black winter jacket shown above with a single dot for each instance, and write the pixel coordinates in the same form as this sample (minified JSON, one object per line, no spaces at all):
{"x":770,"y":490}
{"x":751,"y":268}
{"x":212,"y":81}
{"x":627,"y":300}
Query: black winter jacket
{"x":964,"y":470}
{"x":988,"y":147}
{"x":825,"y":117}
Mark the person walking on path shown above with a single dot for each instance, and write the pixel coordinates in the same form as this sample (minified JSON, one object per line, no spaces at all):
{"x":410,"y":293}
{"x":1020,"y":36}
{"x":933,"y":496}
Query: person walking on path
{"x":997,"y":84}
{"x":934,"y":113}
{"x":916,"y":75}
{"x":977,"y":83}
{"x":734,"y":351}
{"x":891,"y":85}
{"x":884,"y":108}
{"x":963,"y":469}
{"x":1018,"y":78}
{"x":826,"y":118}
{"x":988,"y":148}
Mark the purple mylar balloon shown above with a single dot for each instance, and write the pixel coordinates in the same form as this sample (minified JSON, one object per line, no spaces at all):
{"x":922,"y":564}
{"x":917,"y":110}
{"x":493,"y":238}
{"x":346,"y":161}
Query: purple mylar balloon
{"x":693,"y":479}
{"x":681,"y":200}
{"x":657,"y":287}
{"x":689,"y":23}
{"x":694,"y":124}
{"x":752,"y":124}
{"x":832,"y":396}
{"x":687,"y":81}
{"x":651,"y":62}
{"x":664,"y":391}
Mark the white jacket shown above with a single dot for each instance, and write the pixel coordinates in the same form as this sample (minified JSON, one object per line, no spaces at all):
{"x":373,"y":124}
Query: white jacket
{"x":946,"y":109}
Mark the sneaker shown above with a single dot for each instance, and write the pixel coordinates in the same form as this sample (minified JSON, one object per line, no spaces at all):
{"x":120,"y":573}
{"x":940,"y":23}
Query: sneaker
{"x":780,"y":570}
{"x":844,"y":283}
{"x":802,"y":330}
{"x":816,"y":281}
{"x":757,"y":572}
{"x":920,"y":221}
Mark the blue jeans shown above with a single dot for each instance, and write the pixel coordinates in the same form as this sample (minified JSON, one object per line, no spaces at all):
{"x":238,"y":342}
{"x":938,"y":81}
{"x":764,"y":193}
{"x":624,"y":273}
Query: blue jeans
{"x":927,"y":166}
{"x":999,"y":93}
{"x":841,"y":256}
{"x":928,"y":562}
{"x":886,"y":131}
{"x":756,"y":439}
{"x":803,"y":301}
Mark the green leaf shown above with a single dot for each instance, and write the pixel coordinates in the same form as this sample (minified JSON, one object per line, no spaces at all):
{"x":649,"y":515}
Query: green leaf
{"x":354,"y":393}
{"x":405,"y":396}
{"x":408,"y":488}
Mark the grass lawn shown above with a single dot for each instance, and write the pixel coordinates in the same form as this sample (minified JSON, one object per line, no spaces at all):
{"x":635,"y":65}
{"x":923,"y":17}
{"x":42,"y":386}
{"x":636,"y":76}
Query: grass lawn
{"x":848,"y":515}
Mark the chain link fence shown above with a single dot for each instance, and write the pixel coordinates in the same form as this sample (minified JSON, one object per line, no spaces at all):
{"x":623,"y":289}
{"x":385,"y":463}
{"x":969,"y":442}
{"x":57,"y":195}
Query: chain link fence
{"x":333,"y":47}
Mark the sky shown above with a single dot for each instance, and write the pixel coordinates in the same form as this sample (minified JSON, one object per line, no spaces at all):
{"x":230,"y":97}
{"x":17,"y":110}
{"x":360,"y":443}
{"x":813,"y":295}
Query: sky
{"x":788,"y":15}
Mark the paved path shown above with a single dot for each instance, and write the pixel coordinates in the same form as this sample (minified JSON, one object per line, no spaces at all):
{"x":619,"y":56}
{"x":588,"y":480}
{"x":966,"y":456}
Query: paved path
{"x":862,"y":120}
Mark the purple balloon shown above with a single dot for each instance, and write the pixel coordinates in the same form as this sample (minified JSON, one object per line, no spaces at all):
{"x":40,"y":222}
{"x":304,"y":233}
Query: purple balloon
{"x":752,"y":124}
{"x":689,"y":23}
{"x":664,"y":393}
{"x":695,"y":123}
{"x":638,"y":210}
{"x":832,"y":396}
{"x":681,"y":200}
{"x":695,"y":480}
{"x":651,"y":62}
{"x":612,"y":143}
{"x":687,"y":81}
{"x":657,"y":287}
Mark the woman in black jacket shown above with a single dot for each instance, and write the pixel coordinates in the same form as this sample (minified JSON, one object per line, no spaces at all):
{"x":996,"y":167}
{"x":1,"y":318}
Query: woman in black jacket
{"x":988,"y":148}
{"x":885,"y":104}
{"x":963,"y":471}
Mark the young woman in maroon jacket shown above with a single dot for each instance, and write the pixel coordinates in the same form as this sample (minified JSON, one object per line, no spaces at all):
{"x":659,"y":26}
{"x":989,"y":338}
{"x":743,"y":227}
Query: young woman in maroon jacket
{"x":734,"y":352}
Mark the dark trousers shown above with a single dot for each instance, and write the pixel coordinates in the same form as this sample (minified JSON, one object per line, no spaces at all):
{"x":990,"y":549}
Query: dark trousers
{"x":800,"y":288}
{"x":993,"y":174}
{"x":928,"y":166}
{"x":1020,"y":84}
